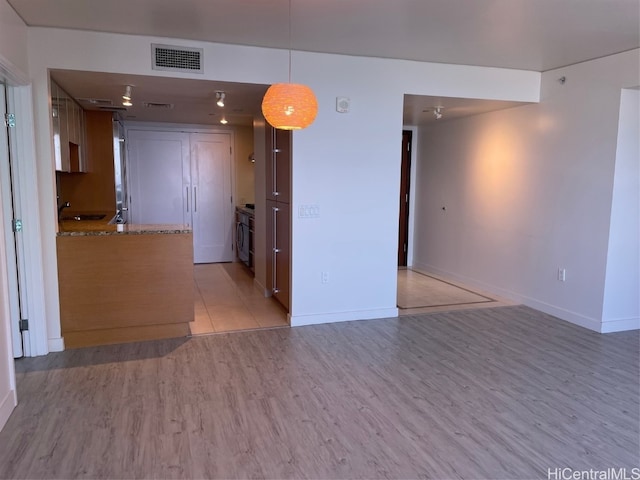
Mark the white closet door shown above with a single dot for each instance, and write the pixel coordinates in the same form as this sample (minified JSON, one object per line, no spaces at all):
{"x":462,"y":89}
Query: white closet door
{"x":159,"y":178}
{"x":212,"y":202}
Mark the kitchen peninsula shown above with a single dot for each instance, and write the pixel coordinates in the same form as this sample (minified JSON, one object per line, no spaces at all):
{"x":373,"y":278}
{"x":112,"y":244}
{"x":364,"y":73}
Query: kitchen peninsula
{"x":124,"y":283}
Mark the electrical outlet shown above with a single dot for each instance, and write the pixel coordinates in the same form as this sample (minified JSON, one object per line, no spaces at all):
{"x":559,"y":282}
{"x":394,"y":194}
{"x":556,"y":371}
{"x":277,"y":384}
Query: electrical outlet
{"x":562,"y":274}
{"x":324,"y":277}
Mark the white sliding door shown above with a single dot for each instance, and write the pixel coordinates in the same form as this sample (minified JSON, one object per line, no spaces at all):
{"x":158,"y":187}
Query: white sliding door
{"x":212,"y":202}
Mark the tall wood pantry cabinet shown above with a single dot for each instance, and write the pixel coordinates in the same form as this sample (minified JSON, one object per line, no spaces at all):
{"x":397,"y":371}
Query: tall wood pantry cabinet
{"x":278,"y":178}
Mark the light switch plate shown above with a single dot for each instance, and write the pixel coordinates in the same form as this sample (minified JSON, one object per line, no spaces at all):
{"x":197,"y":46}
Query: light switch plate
{"x":309,"y":211}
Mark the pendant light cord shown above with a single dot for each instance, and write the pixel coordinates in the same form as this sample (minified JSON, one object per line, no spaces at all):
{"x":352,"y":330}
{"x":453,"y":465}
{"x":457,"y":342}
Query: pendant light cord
{"x":289,"y":41}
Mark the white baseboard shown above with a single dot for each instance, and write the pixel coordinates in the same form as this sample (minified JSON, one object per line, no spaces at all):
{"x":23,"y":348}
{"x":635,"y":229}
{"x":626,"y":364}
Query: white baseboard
{"x":7,"y":404}
{"x":620,"y":325}
{"x":319,"y":318}
{"x":56,"y":344}
{"x":561,"y":313}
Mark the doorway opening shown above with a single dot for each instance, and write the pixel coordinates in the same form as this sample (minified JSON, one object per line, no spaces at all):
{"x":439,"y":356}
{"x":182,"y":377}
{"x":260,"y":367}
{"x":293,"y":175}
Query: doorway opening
{"x":405,"y":186}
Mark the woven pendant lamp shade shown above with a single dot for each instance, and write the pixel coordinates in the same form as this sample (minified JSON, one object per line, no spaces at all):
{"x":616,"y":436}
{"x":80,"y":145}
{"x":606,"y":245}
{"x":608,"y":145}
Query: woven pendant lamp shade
{"x":289,"y":106}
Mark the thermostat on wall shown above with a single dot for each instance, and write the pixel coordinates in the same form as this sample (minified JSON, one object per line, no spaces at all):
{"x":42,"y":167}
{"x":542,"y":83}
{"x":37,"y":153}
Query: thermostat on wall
{"x":342,"y":104}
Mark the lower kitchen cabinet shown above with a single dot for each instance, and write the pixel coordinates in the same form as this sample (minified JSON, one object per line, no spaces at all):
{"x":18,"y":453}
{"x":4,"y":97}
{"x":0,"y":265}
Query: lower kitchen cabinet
{"x":117,"y":288}
{"x":278,"y":251}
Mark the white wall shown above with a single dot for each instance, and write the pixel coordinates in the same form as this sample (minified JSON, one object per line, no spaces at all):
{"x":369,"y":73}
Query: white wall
{"x":622,"y":285}
{"x":348,"y":164}
{"x":527,"y":191}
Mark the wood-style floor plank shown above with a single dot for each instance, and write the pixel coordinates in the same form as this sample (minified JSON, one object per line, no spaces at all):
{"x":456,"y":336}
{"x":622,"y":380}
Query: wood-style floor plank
{"x":504,"y":392}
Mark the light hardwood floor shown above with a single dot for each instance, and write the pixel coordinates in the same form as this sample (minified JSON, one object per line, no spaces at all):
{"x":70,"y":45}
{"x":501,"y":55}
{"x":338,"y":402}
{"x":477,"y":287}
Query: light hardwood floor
{"x":490,"y":393}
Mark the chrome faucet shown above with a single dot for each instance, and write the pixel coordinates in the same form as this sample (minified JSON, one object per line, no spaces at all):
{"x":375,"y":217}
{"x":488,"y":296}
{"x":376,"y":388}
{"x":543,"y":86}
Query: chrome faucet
{"x":61,"y":208}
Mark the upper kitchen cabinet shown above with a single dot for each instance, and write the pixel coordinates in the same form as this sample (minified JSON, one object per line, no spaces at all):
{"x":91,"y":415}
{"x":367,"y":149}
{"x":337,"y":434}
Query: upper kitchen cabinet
{"x":68,"y":131}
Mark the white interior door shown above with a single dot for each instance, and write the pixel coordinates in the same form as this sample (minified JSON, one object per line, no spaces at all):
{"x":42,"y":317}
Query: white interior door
{"x":8,"y":399}
{"x":212,"y":202}
{"x":159,"y":177}
{"x":7,"y":184}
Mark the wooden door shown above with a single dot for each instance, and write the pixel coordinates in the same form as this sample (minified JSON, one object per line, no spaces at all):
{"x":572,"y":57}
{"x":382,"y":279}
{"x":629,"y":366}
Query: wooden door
{"x":405,"y":180}
{"x":159,"y":177}
{"x":211,"y":197}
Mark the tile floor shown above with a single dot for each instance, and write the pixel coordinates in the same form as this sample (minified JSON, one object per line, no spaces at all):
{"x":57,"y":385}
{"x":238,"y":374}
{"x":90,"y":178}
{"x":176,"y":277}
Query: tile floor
{"x":409,"y":280}
{"x":228,"y":300}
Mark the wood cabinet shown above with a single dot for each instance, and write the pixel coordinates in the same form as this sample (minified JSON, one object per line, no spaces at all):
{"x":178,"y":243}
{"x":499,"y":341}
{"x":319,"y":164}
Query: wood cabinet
{"x":278,"y":172}
{"x":278,"y":178}
{"x":68,"y":131}
{"x":117,"y":288}
{"x":279,"y":244}
{"x":94,"y":190}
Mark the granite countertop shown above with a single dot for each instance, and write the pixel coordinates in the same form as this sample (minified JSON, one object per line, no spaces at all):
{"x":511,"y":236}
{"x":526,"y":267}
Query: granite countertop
{"x":102,"y":227}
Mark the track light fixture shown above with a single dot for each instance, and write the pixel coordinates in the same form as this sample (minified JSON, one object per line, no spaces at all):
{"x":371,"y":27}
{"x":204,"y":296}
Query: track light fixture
{"x":437,"y":112}
{"x":223,"y":121}
{"x":126,"y":98}
{"x":220,"y":99}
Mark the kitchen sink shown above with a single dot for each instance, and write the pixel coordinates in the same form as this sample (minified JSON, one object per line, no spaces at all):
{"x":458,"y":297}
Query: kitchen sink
{"x":84,"y":217}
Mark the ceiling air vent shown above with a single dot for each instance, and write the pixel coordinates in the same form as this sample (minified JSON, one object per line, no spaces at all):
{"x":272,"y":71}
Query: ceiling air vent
{"x":98,"y":102}
{"x":163,"y":106}
{"x":112,"y":109}
{"x":176,"y":59}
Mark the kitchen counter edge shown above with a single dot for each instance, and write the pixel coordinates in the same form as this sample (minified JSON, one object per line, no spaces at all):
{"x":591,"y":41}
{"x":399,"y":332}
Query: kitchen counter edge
{"x":86,"y":228}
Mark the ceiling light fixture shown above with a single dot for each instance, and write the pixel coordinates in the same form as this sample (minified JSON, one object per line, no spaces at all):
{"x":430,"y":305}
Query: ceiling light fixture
{"x":437,"y":112}
{"x":289,"y":106}
{"x":223,"y":121}
{"x":126,"y":98}
{"x":220,"y":99}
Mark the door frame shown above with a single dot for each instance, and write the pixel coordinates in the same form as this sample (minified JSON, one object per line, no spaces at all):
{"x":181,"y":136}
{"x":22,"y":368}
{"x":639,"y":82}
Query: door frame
{"x":10,"y":239}
{"x":22,"y":139}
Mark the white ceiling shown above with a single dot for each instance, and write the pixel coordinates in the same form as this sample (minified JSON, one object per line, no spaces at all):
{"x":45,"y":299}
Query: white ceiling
{"x":525,"y":34}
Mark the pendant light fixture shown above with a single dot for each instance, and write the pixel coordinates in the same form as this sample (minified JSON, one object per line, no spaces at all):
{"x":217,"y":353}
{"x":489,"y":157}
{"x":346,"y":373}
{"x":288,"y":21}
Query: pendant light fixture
{"x":289,"y":106}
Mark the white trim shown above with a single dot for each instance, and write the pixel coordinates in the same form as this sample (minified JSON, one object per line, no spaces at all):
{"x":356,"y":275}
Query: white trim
{"x":176,"y":127}
{"x":56,"y":344}
{"x":8,"y":235}
{"x":620,"y":325}
{"x":11,"y":73}
{"x":7,"y":405}
{"x":36,"y":343}
{"x":319,"y":318}
{"x":562,"y":314}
